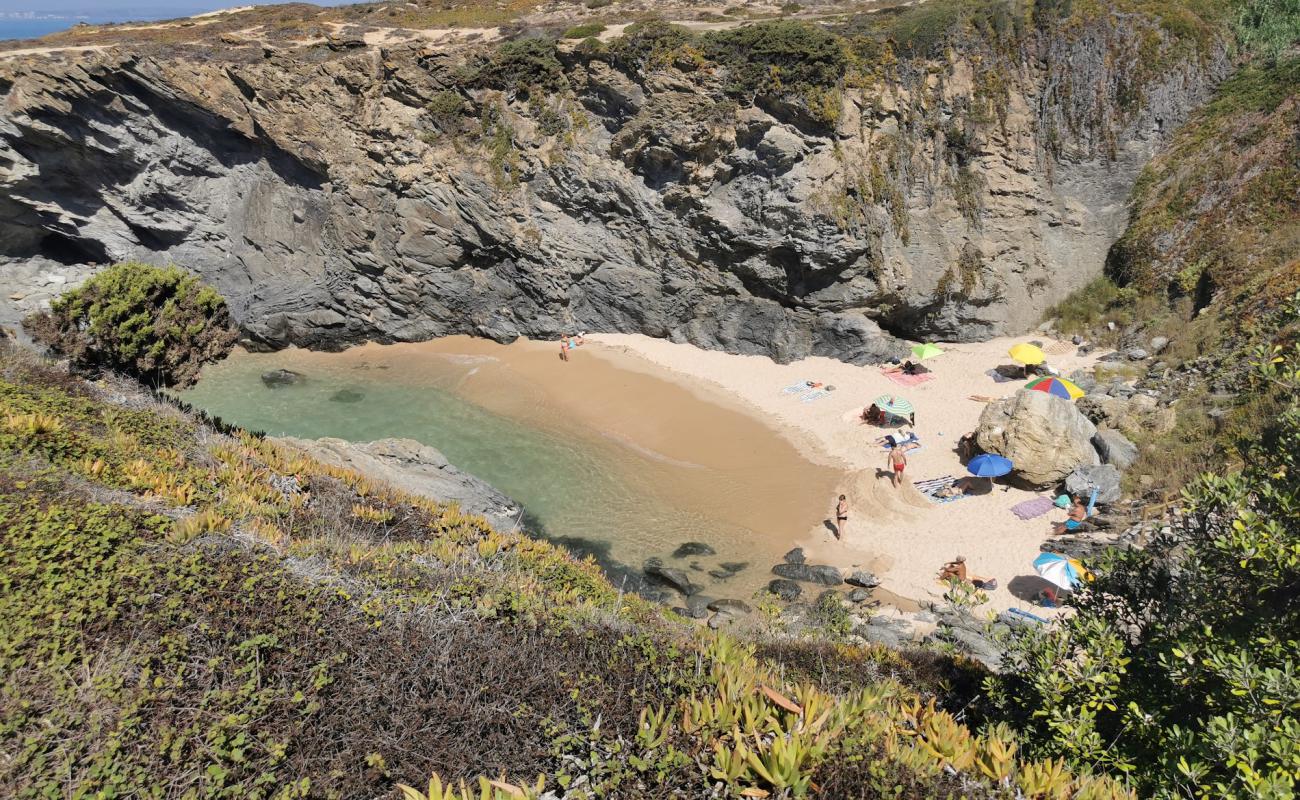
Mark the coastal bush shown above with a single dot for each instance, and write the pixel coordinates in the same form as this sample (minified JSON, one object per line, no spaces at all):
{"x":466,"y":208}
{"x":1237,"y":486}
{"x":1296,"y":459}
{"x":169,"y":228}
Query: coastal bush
{"x":776,"y":57}
{"x":647,"y":44}
{"x":446,"y":109}
{"x":584,"y":30}
{"x":158,"y":324}
{"x":1179,"y":666}
{"x":520,"y":66}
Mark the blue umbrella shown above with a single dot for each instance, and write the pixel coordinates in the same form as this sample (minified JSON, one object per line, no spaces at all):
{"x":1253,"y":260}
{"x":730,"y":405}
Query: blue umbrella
{"x":989,"y":466}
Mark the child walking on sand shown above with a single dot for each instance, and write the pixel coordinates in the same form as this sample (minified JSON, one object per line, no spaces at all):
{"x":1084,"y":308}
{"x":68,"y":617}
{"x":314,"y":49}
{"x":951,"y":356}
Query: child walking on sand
{"x":841,"y":516}
{"x":897,"y":460}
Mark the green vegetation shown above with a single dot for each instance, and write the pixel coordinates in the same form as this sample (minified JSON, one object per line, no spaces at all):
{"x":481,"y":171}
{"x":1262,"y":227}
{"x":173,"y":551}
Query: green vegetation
{"x":1180,"y":665}
{"x":1269,"y":27}
{"x":647,"y":45}
{"x":777,"y":57}
{"x":521,"y":65}
{"x":584,"y":31}
{"x":159,"y":324}
{"x":446,"y":109}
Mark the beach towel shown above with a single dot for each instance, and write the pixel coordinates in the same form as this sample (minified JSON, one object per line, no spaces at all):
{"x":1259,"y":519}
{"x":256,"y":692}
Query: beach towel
{"x":903,"y":379}
{"x":910,"y":447}
{"x":1030,"y":509}
{"x":795,"y":388}
{"x":814,"y":395}
{"x":933,"y":485}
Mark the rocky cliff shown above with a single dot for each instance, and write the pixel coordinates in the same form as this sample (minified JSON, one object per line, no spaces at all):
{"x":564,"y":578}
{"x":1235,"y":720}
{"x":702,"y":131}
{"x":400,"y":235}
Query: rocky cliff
{"x":391,"y":188}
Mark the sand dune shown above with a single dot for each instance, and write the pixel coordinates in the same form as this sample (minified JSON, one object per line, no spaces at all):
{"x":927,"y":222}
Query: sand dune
{"x":898,"y":533}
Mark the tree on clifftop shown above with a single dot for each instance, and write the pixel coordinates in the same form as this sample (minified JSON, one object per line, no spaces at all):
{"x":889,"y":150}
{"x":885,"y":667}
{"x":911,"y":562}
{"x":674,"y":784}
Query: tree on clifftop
{"x":158,"y":324}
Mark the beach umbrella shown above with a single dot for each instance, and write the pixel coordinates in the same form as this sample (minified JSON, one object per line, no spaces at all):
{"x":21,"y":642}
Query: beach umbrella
{"x":1026,"y":353}
{"x":988,"y":465}
{"x":1063,"y":571}
{"x":893,"y":405}
{"x":1055,"y":386}
{"x":924,"y":351}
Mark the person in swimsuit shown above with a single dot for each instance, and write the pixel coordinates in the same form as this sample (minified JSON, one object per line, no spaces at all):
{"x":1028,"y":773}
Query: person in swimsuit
{"x":1078,"y":513}
{"x":564,"y":348}
{"x":897,"y":460}
{"x":841,"y":516}
{"x":954,"y":569}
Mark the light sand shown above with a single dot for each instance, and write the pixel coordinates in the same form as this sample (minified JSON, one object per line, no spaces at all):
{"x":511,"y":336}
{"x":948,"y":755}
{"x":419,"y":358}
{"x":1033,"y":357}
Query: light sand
{"x":904,"y":537}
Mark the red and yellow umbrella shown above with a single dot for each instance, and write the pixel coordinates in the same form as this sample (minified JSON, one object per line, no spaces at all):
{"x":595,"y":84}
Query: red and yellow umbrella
{"x":1055,"y":386}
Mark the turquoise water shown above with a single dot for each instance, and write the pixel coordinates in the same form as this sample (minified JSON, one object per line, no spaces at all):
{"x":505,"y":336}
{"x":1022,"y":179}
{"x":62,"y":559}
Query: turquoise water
{"x":595,"y":492}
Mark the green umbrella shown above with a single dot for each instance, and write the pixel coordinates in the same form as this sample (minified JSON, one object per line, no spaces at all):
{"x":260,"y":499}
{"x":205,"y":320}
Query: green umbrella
{"x":893,"y":405}
{"x":924,"y":351}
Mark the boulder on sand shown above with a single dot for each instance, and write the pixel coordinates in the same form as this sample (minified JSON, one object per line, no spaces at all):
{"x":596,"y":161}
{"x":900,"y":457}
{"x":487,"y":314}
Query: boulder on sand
{"x":1044,"y":436}
{"x":785,"y":589}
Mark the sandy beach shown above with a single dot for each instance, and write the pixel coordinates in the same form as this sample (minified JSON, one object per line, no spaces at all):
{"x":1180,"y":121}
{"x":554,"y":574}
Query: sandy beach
{"x":898,"y":533}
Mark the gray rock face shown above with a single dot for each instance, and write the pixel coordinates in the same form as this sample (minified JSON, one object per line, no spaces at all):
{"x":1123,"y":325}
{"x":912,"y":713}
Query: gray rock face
{"x":416,"y":468}
{"x":1044,"y":436}
{"x":1115,"y":448}
{"x":302,"y":185}
{"x":1105,"y":478}
{"x":823,"y":574}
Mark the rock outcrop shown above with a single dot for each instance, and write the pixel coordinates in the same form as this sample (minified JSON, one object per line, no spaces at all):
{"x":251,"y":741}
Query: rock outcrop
{"x":313,"y":188}
{"x":419,"y":469}
{"x":1044,"y":436}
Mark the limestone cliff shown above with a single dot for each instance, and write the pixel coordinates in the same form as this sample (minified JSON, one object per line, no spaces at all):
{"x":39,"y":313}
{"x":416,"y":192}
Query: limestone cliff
{"x":337,"y":191}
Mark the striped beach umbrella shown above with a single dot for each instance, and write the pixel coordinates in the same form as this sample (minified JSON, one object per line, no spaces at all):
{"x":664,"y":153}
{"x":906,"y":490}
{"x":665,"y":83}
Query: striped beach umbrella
{"x":988,"y":465}
{"x":1026,"y":353}
{"x":924,"y":351}
{"x":1055,"y":386}
{"x":1063,"y":571}
{"x":891,"y":404}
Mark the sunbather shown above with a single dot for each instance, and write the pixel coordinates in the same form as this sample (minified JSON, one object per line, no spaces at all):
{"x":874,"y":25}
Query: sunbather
{"x":958,"y":487}
{"x":873,"y":415}
{"x":954,"y":569}
{"x":904,"y":437}
{"x":1077,"y":514}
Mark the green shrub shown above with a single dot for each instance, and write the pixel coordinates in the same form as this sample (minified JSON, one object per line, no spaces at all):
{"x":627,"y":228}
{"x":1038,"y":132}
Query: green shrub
{"x":648,"y":43}
{"x":781,"y":56}
{"x":159,"y":324}
{"x":445,"y":108}
{"x":584,"y":31}
{"x":1269,"y":27}
{"x":522,"y":65}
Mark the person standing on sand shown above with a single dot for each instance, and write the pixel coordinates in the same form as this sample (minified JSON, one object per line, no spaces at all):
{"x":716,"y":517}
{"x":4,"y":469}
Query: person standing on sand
{"x":897,"y":461}
{"x":564,"y":348}
{"x":841,"y":516}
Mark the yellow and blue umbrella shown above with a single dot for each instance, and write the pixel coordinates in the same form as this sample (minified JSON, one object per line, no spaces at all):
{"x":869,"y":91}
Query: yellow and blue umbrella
{"x":893,"y":405}
{"x":1026,"y":353}
{"x":989,"y":465}
{"x":924,"y":351}
{"x":1059,"y":387}
{"x":1063,"y":571}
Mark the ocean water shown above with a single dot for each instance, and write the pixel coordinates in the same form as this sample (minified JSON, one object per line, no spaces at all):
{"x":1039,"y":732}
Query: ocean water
{"x":615,"y":464}
{"x":31,"y":28}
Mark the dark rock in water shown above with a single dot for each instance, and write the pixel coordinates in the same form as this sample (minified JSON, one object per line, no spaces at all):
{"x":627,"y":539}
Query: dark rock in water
{"x":729,"y":606}
{"x":810,"y":573}
{"x":786,"y":590}
{"x":864,"y":579}
{"x":697,"y":566}
{"x":347,"y":396}
{"x":673,"y":578}
{"x":280,"y":377}
{"x":859,"y":596}
{"x":795,"y":556}
{"x":728,"y":569}
{"x":688,"y":549}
